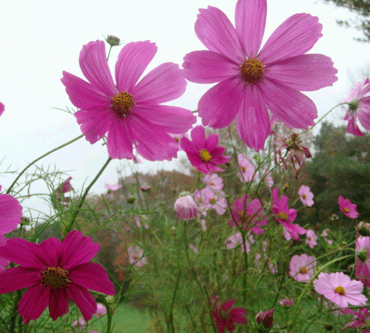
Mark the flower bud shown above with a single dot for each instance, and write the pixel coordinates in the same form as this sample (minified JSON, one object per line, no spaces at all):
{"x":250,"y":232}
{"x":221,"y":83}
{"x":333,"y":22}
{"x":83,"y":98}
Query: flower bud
{"x":265,"y":318}
{"x":363,"y":229}
{"x":185,"y":207}
{"x":112,"y":40}
{"x":131,"y":199}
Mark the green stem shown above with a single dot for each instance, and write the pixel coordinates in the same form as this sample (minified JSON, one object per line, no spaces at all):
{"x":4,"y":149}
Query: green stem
{"x":173,"y":301}
{"x":41,"y":157}
{"x":109,"y":314}
{"x":74,"y":216}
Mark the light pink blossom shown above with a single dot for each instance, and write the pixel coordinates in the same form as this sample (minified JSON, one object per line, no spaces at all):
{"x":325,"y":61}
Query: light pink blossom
{"x":246,"y":167}
{"x":311,"y":238}
{"x":100,"y":311}
{"x":112,"y":187}
{"x":200,"y":199}
{"x":203,"y":224}
{"x":254,"y":80}
{"x":191,"y":245}
{"x":360,"y":320}
{"x":135,"y":255}
{"x":301,"y":267}
{"x":324,"y":234}
{"x":79,"y":324}
{"x":215,"y":200}
{"x":306,"y":195}
{"x":234,"y":240}
{"x":348,"y":208}
{"x":286,"y":302}
{"x":213,"y":181}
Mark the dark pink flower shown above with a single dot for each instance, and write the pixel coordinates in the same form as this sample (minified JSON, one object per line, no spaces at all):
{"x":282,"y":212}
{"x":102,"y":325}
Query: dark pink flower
{"x":64,"y":188}
{"x":358,"y":107}
{"x":253,"y":80}
{"x":286,"y":215}
{"x":54,"y":271}
{"x":305,"y":195}
{"x":186,"y":208}
{"x":204,"y":154}
{"x":363,"y":260}
{"x":348,"y":208}
{"x":130,"y":111}
{"x":361,"y":319}
{"x":248,"y":214}
{"x":266,"y":318}
{"x":10,"y":213}
{"x":2,"y":108}
{"x":3,"y":262}
{"x":224,"y":316}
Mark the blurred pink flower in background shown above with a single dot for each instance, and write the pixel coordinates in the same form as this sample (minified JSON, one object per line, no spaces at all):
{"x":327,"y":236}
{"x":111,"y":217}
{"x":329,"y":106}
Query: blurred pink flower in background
{"x":112,"y":187}
{"x":200,"y":199}
{"x":213,"y":181}
{"x":362,"y":271}
{"x":10,"y":213}
{"x":2,"y":108}
{"x":203,"y":153}
{"x":79,"y":324}
{"x":324,"y":234}
{"x":234,"y":240}
{"x":203,"y":224}
{"x":361,"y":319}
{"x":131,"y":112}
{"x":100,"y":311}
{"x":286,"y":302}
{"x":215,"y":200}
{"x":247,"y":168}
{"x":301,"y":267}
{"x":306,"y":195}
{"x":135,"y":255}
{"x":311,"y":238}
{"x":348,"y":208}
{"x":191,"y":245}
{"x":359,"y":107}
{"x":64,"y":188}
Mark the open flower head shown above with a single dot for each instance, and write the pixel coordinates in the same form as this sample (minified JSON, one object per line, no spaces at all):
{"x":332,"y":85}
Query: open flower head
{"x":213,"y":181}
{"x":305,"y":195}
{"x":301,"y":267}
{"x":135,"y":256}
{"x":204,"y":153}
{"x":253,"y":80}
{"x":348,"y":208}
{"x":246,"y":167}
{"x":53,"y":272}
{"x":311,"y":238}
{"x":361,"y":319}
{"x":131,"y":112}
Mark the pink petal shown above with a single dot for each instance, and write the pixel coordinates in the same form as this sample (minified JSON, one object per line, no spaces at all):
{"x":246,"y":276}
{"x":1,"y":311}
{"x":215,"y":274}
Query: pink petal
{"x":250,"y":20}
{"x":92,"y":276}
{"x":217,"y":34}
{"x":253,"y":121}
{"x":58,"y":303}
{"x":228,"y":304}
{"x":10,"y":213}
{"x":164,"y":83}
{"x":208,"y":67}
{"x":237,"y":315}
{"x":363,"y":114}
{"x":295,"y":36}
{"x":212,"y":142}
{"x":219,"y":106}
{"x":49,"y":252}
{"x":307,"y":72}
{"x":120,"y":139}
{"x":132,"y":61}
{"x":16,"y":278}
{"x":83,"y":299}
{"x":3,"y":262}
{"x":94,"y":124}
{"x":33,"y":302}
{"x":198,"y":135}
{"x":77,"y":250}
{"x":2,"y":108}
{"x":288,"y":105}
{"x":84,"y":95}
{"x":94,"y":65}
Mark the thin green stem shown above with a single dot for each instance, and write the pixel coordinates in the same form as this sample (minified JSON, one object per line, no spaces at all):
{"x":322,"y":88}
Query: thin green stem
{"x":109,"y":314}
{"x":173,"y":301}
{"x":39,"y":158}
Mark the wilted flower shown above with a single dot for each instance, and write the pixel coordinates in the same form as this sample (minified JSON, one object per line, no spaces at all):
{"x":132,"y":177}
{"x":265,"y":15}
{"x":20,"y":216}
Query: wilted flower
{"x":363,"y":229}
{"x":64,"y":188}
{"x":361,"y":319}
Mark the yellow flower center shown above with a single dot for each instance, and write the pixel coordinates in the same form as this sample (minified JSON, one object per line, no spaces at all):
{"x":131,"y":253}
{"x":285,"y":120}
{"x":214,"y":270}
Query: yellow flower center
{"x":200,"y":200}
{"x":303,"y":270}
{"x":176,"y":139}
{"x":241,"y":213}
{"x":135,"y":257}
{"x":122,"y":104}
{"x":346,"y":209}
{"x":252,"y":70}
{"x":340,"y":290}
{"x":211,"y":184}
{"x":304,"y":196}
{"x":55,"y":277}
{"x":243,"y":168}
{"x":212,"y":200}
{"x":100,"y":314}
{"x":283,"y":216}
{"x":205,"y":155}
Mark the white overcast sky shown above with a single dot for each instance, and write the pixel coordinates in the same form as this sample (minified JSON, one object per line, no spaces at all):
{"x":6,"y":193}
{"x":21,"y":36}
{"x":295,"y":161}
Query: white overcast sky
{"x":40,"y":39}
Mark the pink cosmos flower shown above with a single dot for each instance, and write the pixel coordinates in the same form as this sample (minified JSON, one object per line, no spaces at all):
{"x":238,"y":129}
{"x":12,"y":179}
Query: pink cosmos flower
{"x":64,"y":188}
{"x":54,"y":271}
{"x":363,"y":260}
{"x":340,"y":289}
{"x":224,"y":316}
{"x":286,"y":302}
{"x":251,"y":211}
{"x":112,"y":187}
{"x":215,"y":200}
{"x":100,"y":311}
{"x":306,"y":195}
{"x":177,"y":138}
{"x":301,"y":267}
{"x":348,"y":208}
{"x":266,"y":318}
{"x":130,"y":111}
{"x":234,"y":240}
{"x":311,"y":238}
{"x":286,"y":215}
{"x":253,"y":81}
{"x":247,"y":244}
{"x":361,"y":319}
{"x":186,"y":208}
{"x":193,"y":248}
{"x":203,"y":224}
{"x":246,"y":167}
{"x":135,"y":255}
{"x":2,"y":108}
{"x":213,"y":181}
{"x":324,"y":234}
{"x":200,"y":199}
{"x":204,"y":154}
{"x":268,"y":179}
{"x":358,"y":107}
{"x":79,"y":324}
{"x":10,"y":213}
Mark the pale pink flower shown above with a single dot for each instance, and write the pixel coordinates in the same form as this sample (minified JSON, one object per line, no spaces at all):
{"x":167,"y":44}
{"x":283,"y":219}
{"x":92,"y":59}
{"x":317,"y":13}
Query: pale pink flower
{"x":361,"y":319}
{"x":246,"y":167}
{"x":137,"y":221}
{"x":234,"y":240}
{"x":131,"y":112}
{"x":186,"y":208}
{"x":358,"y":107}
{"x":340,"y":289}
{"x":324,"y":234}
{"x":254,"y":81}
{"x":306,"y":195}
{"x":100,"y":311}
{"x":362,"y":272}
{"x":247,"y":244}
{"x":203,"y":224}
{"x":348,"y":208}
{"x":79,"y":324}
{"x":302,"y":267}
{"x":191,"y":245}
{"x":213,"y":181}
{"x":286,"y":302}
{"x":112,"y":187}
{"x":204,"y":153}
{"x":311,"y":238}
{"x":135,"y":255}
{"x":177,"y":138}
{"x":268,"y":179}
{"x":215,"y":200}
{"x":200,"y":199}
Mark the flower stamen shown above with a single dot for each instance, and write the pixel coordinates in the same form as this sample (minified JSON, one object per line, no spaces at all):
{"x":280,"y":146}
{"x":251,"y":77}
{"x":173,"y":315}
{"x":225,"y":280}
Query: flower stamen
{"x":340,"y":290}
{"x":55,"y":277}
{"x":205,"y":155}
{"x":252,"y":70}
{"x":122,"y":104}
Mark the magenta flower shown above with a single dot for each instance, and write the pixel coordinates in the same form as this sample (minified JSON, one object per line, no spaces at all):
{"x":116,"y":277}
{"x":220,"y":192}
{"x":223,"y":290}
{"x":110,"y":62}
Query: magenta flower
{"x":340,"y":289}
{"x":213,"y":181}
{"x":186,"y":208}
{"x":363,"y":260}
{"x":204,"y":154}
{"x":135,"y":255}
{"x":215,"y":200}
{"x":286,"y":302}
{"x":10,"y":213}
{"x":248,"y":214}
{"x":253,"y":80}
{"x":54,"y":271}
{"x":266,"y":318}
{"x":348,"y":208}
{"x":64,"y":188}
{"x":286,"y":215}
{"x":224,"y":316}
{"x":301,"y":267}
{"x":311,"y":238}
{"x":306,"y":195}
{"x":112,"y":187}
{"x":361,"y":319}
{"x":130,"y":111}
{"x":246,"y":167}
{"x":2,"y":108}
{"x":358,"y":107}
